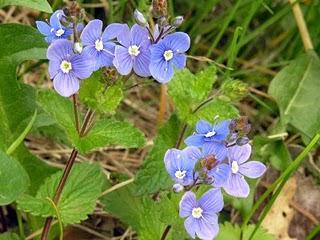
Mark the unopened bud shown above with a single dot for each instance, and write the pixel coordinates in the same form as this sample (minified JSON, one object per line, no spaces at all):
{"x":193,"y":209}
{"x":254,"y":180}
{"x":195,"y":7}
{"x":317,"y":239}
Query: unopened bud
{"x":177,"y":188}
{"x":234,"y":89}
{"x":140,"y":19}
{"x":159,"y":8}
{"x":242,"y":141}
{"x":177,"y":21}
{"x":78,"y":47}
{"x":162,"y":22}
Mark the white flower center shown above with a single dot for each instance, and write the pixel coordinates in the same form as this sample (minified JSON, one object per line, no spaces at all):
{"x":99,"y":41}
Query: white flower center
{"x":59,"y":32}
{"x":99,"y":44}
{"x":234,"y":167}
{"x":134,"y":50}
{"x":210,"y":134}
{"x":65,"y":66}
{"x":197,"y":212}
{"x":180,"y":174}
{"x":168,"y":55}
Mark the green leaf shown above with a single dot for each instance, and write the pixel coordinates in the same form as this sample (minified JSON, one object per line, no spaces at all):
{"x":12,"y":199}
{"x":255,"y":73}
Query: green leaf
{"x":78,"y":198}
{"x":229,"y":231}
{"x":9,"y":236}
{"x":188,"y":90}
{"x":41,"y":5}
{"x":17,"y":101}
{"x":14,"y":179}
{"x":95,"y":94}
{"x":296,"y":91}
{"x":152,"y":176}
{"x":111,"y":132}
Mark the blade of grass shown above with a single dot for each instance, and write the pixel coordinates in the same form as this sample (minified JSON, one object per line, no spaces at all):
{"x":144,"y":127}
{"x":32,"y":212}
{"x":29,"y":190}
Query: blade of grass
{"x":313,"y":233}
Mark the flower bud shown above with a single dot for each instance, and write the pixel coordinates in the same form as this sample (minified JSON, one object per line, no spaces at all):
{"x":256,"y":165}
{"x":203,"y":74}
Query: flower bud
{"x":234,"y":89}
{"x":78,"y":47}
{"x":177,"y":188}
{"x":159,"y":8}
{"x":140,"y":19}
{"x":177,"y":21}
{"x":242,"y":141}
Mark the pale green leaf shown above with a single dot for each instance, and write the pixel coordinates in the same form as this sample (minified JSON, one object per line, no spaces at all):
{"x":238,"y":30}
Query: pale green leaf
{"x":296,"y":90}
{"x":9,"y":236}
{"x":153,"y":176}
{"x":78,"y":198}
{"x":13,"y":178}
{"x":41,"y":5}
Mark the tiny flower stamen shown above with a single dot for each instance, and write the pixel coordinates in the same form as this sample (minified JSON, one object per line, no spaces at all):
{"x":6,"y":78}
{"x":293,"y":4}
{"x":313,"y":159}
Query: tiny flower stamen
{"x":234,"y":167}
{"x":197,"y":212}
{"x":98,"y":45}
{"x":168,"y":55}
{"x":65,"y":66}
{"x":210,"y":134}
{"x":180,"y":174}
{"x":59,"y":32}
{"x":134,"y":50}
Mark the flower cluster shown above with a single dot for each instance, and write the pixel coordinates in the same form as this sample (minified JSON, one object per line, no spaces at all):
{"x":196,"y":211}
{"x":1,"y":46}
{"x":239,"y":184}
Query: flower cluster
{"x":139,"y":49}
{"x":216,"y":155}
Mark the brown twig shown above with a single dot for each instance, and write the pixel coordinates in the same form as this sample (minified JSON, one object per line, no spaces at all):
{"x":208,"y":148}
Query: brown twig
{"x":163,"y":103}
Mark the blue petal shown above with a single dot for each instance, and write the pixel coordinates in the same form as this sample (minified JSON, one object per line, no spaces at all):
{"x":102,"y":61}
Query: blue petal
{"x":187,"y":203}
{"x":192,"y":153}
{"x":113,"y":30}
{"x":60,"y":49}
{"x":66,"y":84}
{"x":252,"y":169}
{"x":177,"y":42}
{"x":162,"y":71}
{"x":122,"y":60}
{"x":220,"y":174}
{"x":124,"y":38}
{"x":219,"y":150}
{"x":205,"y":230}
{"x":81,"y":66}
{"x":54,"y":68}
{"x":142,"y":62}
{"x":203,"y":127}
{"x":179,"y":61}
{"x":189,"y":225}
{"x":55,"y":19}
{"x":211,"y":201}
{"x":172,"y":161}
{"x":222,"y":130}
{"x":237,"y":186}
{"x":196,"y":140}
{"x":239,"y":154}
{"x":92,"y":32}
{"x":139,"y":35}
{"x":43,"y":28}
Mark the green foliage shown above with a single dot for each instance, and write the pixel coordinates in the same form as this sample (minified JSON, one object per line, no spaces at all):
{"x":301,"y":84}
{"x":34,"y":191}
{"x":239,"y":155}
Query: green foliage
{"x":234,"y":89}
{"x":9,"y":236}
{"x":229,"y":231}
{"x":188,"y":90}
{"x":148,"y":217}
{"x":78,"y":198}
{"x":95,"y":94}
{"x":296,"y":90}
{"x":111,"y":132}
{"x":14,"y":179}
{"x":17,"y":101}
{"x":41,"y":5}
{"x":152,"y":176}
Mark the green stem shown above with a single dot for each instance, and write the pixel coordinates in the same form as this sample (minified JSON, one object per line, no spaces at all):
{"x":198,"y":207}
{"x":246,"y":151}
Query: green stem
{"x":313,"y":233}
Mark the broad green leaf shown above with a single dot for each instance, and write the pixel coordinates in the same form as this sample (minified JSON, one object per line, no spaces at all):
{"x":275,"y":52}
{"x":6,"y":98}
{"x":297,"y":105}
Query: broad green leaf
{"x":296,"y":90}
{"x":229,"y":231}
{"x":41,"y":5}
{"x":78,"y":198}
{"x":17,"y":101}
{"x":148,"y":217}
{"x":188,"y":90}
{"x":9,"y":236}
{"x":111,"y":132}
{"x":95,"y":94}
{"x":13,"y":178}
{"x":152,"y":176}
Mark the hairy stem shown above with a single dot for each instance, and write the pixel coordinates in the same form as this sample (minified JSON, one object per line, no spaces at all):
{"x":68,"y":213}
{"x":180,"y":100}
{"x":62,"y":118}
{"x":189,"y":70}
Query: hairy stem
{"x":65,"y":175}
{"x":163,"y":103}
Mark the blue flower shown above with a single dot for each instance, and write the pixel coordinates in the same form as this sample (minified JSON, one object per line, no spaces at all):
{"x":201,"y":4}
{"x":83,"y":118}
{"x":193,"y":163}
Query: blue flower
{"x":180,"y":164}
{"x":134,"y":51}
{"x":97,"y":44}
{"x":202,"y":217}
{"x":168,"y":53}
{"x":66,"y":68}
{"x":206,"y":132}
{"x":238,"y":157}
{"x":55,"y":30}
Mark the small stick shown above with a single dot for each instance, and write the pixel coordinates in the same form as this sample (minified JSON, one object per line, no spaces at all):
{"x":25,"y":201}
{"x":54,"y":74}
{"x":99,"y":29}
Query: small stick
{"x":163,"y":103}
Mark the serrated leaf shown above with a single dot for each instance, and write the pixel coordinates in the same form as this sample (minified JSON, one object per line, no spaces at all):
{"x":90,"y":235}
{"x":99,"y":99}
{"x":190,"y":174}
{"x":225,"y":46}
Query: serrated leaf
{"x":13,"y":178}
{"x":95,"y":94}
{"x":152,"y":176}
{"x":229,"y":231}
{"x":296,"y":91}
{"x":188,"y":90}
{"x":78,"y":198}
{"x":41,"y":5}
{"x":111,"y":132}
{"x":17,"y":101}
{"x":9,"y":236}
